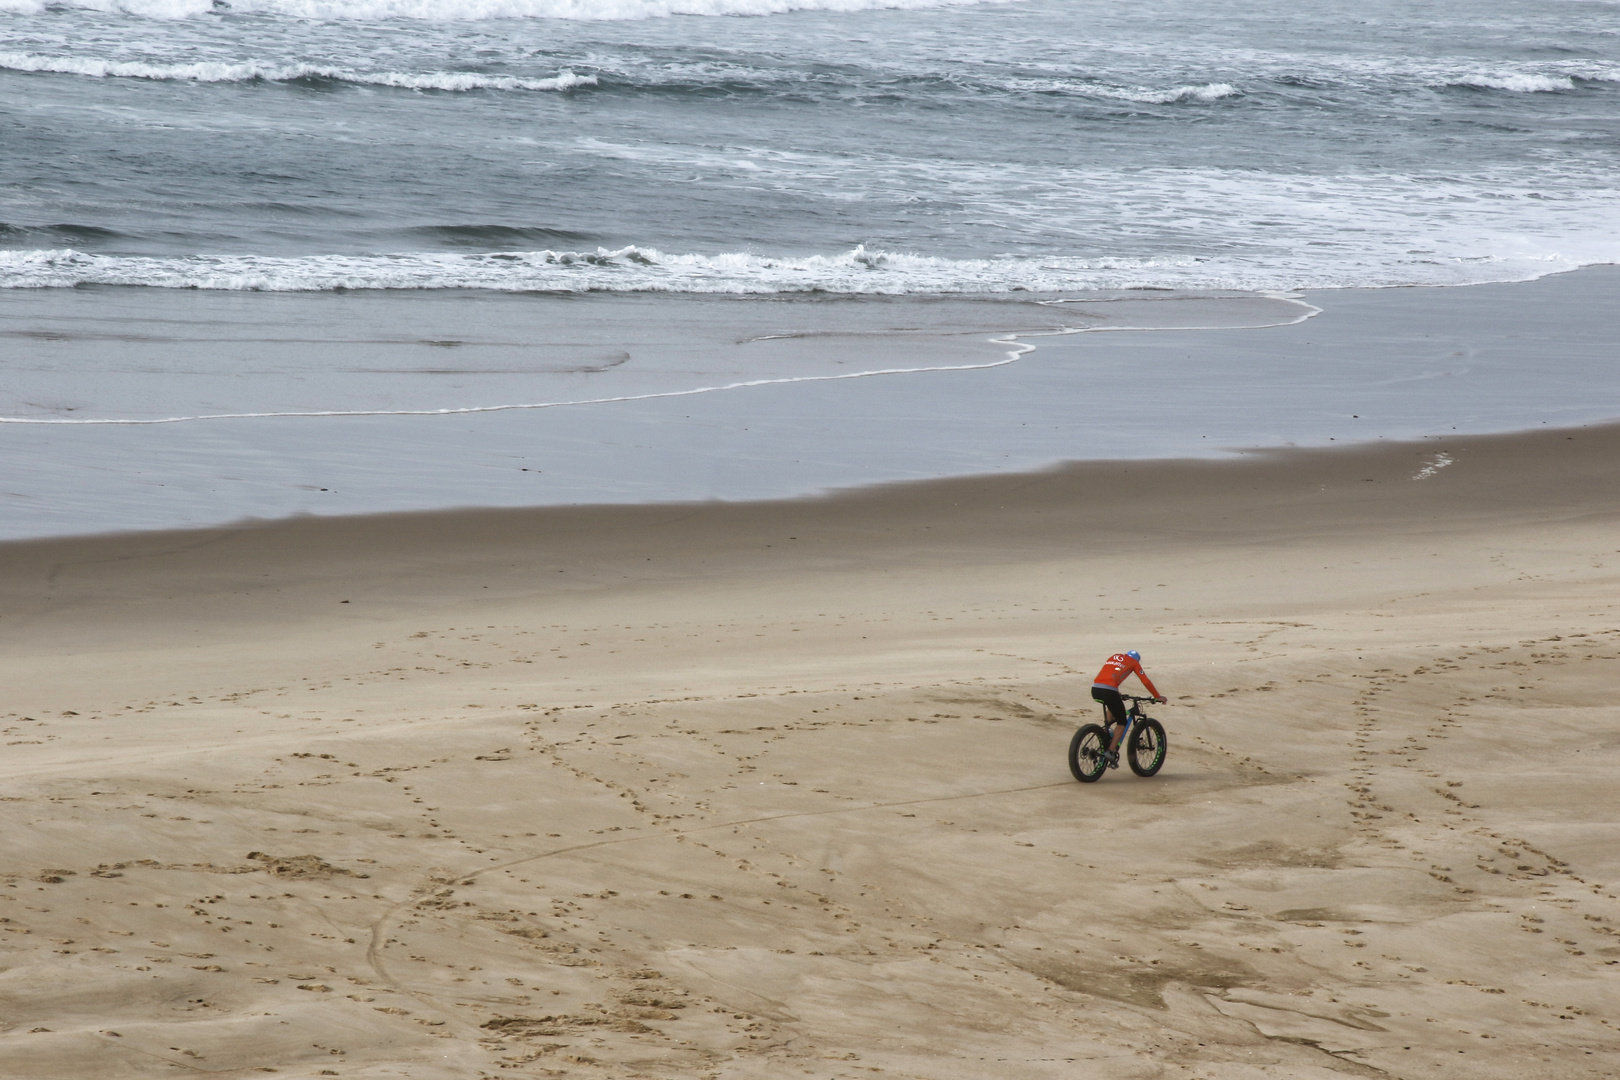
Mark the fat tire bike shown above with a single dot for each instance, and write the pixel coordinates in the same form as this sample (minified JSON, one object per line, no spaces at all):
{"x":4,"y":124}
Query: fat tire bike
{"x":1144,"y":742}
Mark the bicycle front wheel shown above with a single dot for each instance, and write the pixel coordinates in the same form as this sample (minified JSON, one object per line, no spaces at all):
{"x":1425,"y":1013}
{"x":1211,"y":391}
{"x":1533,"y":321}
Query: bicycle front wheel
{"x":1146,"y":752}
{"x":1086,"y":759}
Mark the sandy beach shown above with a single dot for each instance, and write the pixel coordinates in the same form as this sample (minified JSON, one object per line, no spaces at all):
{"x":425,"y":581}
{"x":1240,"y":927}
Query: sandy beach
{"x":738,"y":790}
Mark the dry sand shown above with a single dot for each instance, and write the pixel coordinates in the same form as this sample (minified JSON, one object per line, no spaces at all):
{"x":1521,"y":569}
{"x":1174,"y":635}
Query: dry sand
{"x":778,"y":790}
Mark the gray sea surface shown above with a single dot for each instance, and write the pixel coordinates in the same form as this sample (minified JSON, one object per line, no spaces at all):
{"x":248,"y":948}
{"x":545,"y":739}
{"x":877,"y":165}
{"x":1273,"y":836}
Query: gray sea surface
{"x":263,"y":257}
{"x":850,"y":145}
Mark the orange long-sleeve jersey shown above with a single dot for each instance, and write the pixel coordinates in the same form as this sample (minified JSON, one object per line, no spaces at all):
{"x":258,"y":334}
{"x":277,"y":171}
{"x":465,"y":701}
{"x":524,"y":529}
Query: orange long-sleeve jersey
{"x":1119,"y":667}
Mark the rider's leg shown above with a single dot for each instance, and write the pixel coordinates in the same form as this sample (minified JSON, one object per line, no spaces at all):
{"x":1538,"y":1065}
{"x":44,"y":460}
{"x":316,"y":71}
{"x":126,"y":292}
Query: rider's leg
{"x":1113,"y":714}
{"x":1116,"y":731}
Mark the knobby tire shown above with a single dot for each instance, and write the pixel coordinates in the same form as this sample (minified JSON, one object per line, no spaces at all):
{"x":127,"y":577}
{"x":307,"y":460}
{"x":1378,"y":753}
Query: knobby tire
{"x":1147,"y":749}
{"x":1085,"y":753}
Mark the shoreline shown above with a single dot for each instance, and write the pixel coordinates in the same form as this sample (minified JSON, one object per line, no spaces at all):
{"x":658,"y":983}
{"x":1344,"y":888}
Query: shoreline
{"x":1348,"y":492}
{"x":1094,"y":476}
{"x":1373,"y":364}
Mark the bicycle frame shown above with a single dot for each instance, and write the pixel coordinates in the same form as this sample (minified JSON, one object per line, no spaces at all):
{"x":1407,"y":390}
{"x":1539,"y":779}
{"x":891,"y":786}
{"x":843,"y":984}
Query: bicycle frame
{"x":1133,"y":713}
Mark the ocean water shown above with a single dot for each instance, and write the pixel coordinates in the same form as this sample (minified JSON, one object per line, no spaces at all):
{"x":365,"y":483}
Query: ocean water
{"x":219,"y":218}
{"x":870,"y":146}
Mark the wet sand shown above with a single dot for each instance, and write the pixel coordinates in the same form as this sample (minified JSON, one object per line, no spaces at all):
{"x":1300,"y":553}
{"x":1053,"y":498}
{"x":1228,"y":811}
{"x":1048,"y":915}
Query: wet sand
{"x":778,"y":789}
{"x":671,"y":398}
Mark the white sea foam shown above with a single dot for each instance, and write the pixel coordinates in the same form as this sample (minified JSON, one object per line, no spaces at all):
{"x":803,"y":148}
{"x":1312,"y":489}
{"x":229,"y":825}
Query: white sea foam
{"x":1438,"y":462}
{"x":1251,"y":66}
{"x":1147,"y":95}
{"x":860,"y":271}
{"x":627,"y":269}
{"x":460,"y":10}
{"x":1534,"y":78}
{"x":1016,"y":349}
{"x":217,"y":72}
{"x":1204,"y":92}
{"x":1518,"y":81}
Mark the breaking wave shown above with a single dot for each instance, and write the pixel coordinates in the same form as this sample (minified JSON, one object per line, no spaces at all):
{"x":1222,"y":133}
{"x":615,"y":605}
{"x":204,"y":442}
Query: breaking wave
{"x":218,"y":72}
{"x":640,"y":269}
{"x":1146,"y":95}
{"x":1518,"y":82}
{"x":222,"y":71}
{"x":627,"y":269}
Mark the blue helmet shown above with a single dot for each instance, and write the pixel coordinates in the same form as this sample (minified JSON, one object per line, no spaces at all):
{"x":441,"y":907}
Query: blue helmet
{"x":1134,"y":655}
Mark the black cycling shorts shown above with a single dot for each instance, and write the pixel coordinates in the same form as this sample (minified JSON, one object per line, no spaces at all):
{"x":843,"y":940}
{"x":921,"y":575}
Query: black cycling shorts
{"x":1111,"y":701}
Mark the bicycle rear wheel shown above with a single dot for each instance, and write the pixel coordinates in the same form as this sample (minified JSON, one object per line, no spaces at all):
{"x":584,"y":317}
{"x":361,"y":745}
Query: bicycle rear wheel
{"x":1148,"y":744}
{"x":1086,"y":753}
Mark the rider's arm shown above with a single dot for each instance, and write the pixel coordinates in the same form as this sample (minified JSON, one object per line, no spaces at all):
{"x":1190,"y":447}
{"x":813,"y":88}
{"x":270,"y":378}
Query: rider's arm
{"x":1147,"y":682}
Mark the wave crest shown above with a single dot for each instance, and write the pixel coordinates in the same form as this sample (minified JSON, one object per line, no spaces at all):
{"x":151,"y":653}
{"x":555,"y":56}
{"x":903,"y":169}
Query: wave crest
{"x":626,"y":269}
{"x":1199,"y":92}
{"x":860,"y":271}
{"x":218,"y":72}
{"x":1146,"y":95}
{"x":1522,"y":83}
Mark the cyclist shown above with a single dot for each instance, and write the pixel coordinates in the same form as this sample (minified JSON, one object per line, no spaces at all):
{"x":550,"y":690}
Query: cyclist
{"x":1105,"y":688}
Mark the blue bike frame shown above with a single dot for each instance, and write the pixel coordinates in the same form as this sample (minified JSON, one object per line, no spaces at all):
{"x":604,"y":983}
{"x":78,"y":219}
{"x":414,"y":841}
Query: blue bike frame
{"x":1133,"y":713}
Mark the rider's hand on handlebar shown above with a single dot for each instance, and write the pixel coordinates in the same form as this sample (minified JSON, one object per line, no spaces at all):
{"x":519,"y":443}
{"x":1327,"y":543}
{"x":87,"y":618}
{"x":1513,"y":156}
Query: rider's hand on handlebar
{"x":1164,"y":701}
